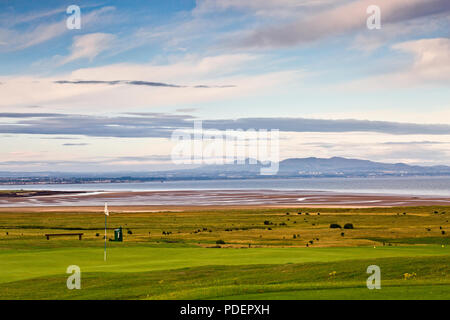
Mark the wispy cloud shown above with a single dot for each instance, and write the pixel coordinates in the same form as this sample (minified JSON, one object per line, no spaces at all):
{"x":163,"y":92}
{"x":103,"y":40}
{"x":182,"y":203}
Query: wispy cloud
{"x":89,"y":46}
{"x":75,"y":144}
{"x":140,"y":83}
{"x":13,"y":38}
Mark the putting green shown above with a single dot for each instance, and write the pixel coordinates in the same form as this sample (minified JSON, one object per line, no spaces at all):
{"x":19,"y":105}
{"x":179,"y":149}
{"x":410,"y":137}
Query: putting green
{"x":28,"y":264}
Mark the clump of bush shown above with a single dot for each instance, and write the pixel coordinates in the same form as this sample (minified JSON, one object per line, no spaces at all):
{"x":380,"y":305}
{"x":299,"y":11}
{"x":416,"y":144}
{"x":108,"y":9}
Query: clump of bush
{"x":348,"y":226}
{"x":335,"y":226}
{"x":220,"y":242}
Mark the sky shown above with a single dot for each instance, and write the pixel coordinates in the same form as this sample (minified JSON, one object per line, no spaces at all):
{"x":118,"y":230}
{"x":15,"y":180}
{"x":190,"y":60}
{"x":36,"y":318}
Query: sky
{"x":108,"y":96}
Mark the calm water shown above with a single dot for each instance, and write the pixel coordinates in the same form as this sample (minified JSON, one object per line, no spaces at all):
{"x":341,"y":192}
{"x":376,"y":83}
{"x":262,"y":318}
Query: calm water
{"x":439,"y":186}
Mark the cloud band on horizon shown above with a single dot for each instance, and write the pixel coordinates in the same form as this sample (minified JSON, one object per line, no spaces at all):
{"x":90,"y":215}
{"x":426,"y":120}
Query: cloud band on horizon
{"x":161,"y":125}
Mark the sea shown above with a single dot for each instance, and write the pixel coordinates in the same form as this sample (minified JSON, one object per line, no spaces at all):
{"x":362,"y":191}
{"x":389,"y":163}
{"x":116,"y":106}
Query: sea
{"x":425,"y":186}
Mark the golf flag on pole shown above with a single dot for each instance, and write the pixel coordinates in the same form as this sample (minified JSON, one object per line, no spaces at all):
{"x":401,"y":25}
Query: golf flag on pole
{"x":106,"y":214}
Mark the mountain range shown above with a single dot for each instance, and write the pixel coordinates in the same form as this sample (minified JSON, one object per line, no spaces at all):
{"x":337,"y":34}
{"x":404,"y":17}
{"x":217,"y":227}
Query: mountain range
{"x":288,"y":168}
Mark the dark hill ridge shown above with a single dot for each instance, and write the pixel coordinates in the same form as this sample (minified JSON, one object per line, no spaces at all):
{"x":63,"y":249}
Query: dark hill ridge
{"x":288,"y":168}
{"x":322,"y":166}
{"x":344,"y":165}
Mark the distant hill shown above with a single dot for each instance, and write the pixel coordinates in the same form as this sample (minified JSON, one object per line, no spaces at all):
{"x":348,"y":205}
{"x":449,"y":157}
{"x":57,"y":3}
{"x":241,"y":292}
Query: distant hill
{"x":289,"y":168}
{"x":312,"y":166}
{"x":338,"y":165}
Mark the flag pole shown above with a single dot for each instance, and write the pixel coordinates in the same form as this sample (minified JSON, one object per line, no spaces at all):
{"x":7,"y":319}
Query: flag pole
{"x":106,"y":215}
{"x":105,"y":239}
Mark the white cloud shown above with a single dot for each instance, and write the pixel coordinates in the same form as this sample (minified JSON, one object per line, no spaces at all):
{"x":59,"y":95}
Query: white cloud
{"x":88,"y":46}
{"x":428,"y":65}
{"x":431,"y":60}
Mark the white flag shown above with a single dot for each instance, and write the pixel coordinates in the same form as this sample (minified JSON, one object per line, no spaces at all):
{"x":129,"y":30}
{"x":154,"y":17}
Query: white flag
{"x":106,"y":209}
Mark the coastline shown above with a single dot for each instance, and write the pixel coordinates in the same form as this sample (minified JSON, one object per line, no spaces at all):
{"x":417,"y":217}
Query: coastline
{"x":182,"y":199}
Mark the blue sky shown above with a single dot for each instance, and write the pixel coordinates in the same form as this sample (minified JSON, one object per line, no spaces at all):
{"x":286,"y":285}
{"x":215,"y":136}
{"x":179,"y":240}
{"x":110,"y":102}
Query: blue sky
{"x":287,"y":61}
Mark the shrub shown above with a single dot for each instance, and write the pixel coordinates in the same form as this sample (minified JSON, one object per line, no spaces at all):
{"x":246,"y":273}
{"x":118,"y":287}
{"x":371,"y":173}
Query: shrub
{"x":348,"y":226}
{"x":342,"y":234}
{"x":220,"y":242}
{"x":129,"y":232}
{"x":443,"y":232}
{"x":335,"y":226}
{"x":267,"y":222}
{"x":97,"y":234}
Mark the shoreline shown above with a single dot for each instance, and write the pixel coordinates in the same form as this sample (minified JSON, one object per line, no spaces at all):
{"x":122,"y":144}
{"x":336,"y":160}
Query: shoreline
{"x":223,"y":199}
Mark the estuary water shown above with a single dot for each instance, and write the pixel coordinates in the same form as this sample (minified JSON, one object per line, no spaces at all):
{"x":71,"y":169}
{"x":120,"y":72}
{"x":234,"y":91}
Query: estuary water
{"x":426,"y":186}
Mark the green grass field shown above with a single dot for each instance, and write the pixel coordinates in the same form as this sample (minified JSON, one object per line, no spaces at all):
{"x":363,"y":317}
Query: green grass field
{"x":261,"y":258}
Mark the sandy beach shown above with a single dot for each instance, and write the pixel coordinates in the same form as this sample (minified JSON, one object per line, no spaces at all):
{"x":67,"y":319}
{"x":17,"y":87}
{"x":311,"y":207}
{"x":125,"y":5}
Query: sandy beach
{"x":220,"y":198}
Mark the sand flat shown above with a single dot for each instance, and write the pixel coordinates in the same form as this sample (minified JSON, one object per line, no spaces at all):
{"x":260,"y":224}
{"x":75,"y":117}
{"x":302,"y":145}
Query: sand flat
{"x":180,"y":200}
